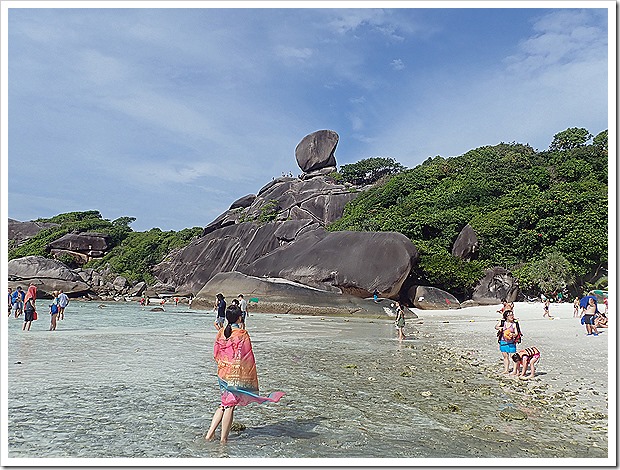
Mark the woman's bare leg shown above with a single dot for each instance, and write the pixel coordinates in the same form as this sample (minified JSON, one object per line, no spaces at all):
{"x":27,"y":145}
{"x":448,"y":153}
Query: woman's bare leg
{"x":215,"y":422}
{"x":227,"y":421}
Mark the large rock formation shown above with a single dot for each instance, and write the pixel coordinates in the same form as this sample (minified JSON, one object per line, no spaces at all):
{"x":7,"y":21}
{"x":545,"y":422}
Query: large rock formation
{"x":47,"y":274}
{"x":19,"y":232}
{"x":466,"y":244}
{"x":83,"y":246}
{"x":354,"y":263}
{"x":276,"y":295}
{"x":431,"y":298}
{"x":316,"y":151}
{"x":497,"y":283}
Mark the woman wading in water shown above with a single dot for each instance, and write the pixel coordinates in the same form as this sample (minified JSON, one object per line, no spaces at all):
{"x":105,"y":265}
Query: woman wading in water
{"x":236,"y":373}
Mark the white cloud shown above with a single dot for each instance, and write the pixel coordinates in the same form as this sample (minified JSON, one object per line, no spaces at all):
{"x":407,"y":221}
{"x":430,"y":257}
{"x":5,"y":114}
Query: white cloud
{"x":397,"y":64}
{"x":289,"y":52}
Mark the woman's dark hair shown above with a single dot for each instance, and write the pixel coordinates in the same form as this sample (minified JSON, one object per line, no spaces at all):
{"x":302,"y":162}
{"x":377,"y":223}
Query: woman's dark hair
{"x":232,"y":315}
{"x":516,"y":357}
{"x":506,"y":313}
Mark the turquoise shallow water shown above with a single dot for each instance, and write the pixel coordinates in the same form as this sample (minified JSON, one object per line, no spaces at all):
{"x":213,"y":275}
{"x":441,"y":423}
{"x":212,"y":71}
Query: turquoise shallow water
{"x":123,"y":381}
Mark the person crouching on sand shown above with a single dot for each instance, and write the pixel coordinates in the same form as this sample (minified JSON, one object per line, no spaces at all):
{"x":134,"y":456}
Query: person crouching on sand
{"x":523,"y":358}
{"x":236,"y":374}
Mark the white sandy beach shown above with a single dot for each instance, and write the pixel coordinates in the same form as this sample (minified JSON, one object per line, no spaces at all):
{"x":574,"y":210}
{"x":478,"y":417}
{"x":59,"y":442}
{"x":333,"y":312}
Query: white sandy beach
{"x":568,"y":356}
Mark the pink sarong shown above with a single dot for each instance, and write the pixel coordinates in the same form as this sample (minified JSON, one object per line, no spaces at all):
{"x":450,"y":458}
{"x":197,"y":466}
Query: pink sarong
{"x":236,"y":370}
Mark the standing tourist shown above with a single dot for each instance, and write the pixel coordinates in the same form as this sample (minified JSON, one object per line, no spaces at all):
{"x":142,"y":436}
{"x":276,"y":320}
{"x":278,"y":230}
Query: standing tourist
{"x":236,"y":374}
{"x":220,"y":309}
{"x":546,"y":309}
{"x":400,"y":321}
{"x":588,"y":314}
{"x":30,"y":309}
{"x":18,"y":301}
{"x":63,"y":301}
{"x":576,"y":307}
{"x":243,"y":305}
{"x":54,"y":311}
{"x":508,"y":335}
{"x":10,"y":301}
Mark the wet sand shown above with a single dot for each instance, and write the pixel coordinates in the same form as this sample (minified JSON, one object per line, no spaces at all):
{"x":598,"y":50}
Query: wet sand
{"x":565,"y":405}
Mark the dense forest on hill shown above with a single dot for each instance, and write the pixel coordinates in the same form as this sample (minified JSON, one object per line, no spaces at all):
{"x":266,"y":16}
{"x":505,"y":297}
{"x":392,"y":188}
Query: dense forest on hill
{"x":540,"y":214}
{"x":543,"y":215}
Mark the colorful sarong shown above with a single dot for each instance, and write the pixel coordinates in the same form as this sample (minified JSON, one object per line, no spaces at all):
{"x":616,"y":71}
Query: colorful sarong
{"x":236,"y":370}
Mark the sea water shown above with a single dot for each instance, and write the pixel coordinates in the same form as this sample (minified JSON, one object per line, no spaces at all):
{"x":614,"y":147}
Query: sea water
{"x":120,"y":380}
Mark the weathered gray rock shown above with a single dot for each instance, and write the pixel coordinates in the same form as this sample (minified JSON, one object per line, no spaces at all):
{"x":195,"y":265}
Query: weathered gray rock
{"x":497,"y":283}
{"x":316,"y":150}
{"x":86,"y":243}
{"x":138,"y":289}
{"x":431,"y":298}
{"x":283,"y":296}
{"x":120,"y":284}
{"x":354,"y":263}
{"x":47,"y":274}
{"x":466,"y":244}
{"x":19,"y":232}
{"x":243,"y":202}
{"x":223,"y":250}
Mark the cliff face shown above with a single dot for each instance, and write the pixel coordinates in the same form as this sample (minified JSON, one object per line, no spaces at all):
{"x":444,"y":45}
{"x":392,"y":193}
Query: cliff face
{"x":280,"y":233}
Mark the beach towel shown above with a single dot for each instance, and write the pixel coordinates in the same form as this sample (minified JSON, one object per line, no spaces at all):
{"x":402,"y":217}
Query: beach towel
{"x":236,"y":370}
{"x":583,"y":303}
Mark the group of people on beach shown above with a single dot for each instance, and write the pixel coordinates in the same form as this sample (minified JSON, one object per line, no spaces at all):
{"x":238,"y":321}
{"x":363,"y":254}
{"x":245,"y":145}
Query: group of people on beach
{"x":509,"y":332}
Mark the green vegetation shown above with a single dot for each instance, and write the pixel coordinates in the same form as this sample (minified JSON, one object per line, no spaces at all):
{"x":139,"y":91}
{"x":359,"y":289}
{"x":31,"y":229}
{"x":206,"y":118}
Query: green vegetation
{"x":543,"y":215}
{"x":367,"y":171}
{"x":134,"y":257}
{"x":132,"y":254}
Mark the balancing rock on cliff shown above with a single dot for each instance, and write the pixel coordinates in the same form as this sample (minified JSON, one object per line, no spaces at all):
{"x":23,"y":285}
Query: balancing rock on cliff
{"x":316,"y":151}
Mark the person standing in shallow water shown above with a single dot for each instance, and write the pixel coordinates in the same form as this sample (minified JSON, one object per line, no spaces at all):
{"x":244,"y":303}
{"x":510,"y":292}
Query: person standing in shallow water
{"x":30,"y":312}
{"x":400,"y":321}
{"x":220,"y":309}
{"x":236,"y":374}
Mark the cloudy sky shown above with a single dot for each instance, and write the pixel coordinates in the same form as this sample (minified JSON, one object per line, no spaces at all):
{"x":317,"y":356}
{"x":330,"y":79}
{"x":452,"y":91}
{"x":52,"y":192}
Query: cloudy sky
{"x":170,"y":114}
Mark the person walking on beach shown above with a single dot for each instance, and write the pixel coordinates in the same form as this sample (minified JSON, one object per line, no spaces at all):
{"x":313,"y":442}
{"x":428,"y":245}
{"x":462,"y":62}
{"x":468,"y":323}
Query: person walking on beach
{"x":30,"y":309}
{"x":588,"y":314}
{"x":508,"y":335}
{"x":576,"y":307}
{"x":400,"y":321}
{"x":243,"y":305}
{"x":63,"y":301}
{"x":54,"y":311}
{"x":17,"y":299}
{"x":236,"y":374}
{"x":524,"y":357}
{"x":220,"y":308}
{"x":546,"y":309}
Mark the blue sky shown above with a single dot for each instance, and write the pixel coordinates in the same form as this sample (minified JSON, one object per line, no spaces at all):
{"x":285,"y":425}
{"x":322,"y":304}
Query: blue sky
{"x":169,"y":115}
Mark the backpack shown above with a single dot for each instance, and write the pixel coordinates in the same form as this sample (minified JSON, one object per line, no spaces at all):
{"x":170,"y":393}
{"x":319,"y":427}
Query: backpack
{"x":517,"y":338}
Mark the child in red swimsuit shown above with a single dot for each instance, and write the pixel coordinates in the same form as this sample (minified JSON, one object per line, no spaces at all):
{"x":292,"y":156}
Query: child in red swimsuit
{"x":523,"y":358}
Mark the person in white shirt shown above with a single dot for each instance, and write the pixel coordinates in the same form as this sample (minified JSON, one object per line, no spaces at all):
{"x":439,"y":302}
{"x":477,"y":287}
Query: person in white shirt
{"x":243,"y":305}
